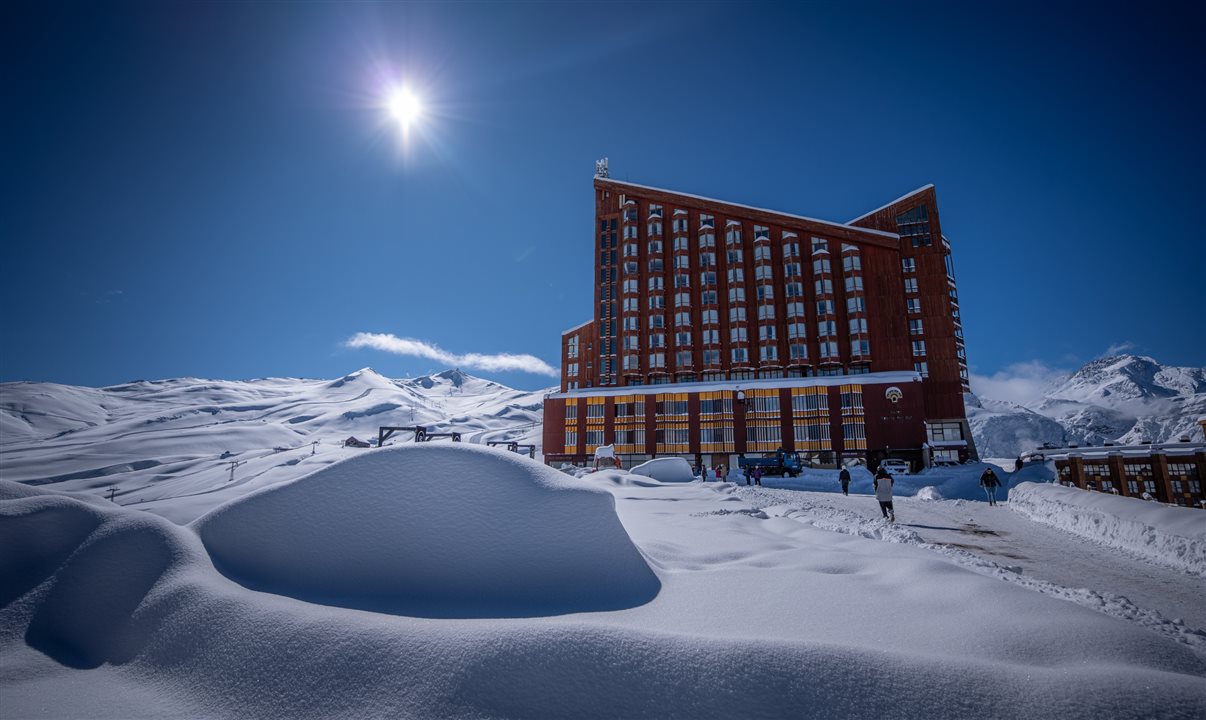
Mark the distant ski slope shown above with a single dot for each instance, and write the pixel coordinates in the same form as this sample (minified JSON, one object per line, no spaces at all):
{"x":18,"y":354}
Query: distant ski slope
{"x":150,"y":441}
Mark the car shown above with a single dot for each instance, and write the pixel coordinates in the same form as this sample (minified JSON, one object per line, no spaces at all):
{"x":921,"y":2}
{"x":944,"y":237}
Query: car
{"x":895,"y":467}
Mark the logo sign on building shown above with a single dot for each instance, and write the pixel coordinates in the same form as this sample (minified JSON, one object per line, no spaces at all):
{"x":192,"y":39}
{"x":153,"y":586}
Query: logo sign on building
{"x":893,"y":394}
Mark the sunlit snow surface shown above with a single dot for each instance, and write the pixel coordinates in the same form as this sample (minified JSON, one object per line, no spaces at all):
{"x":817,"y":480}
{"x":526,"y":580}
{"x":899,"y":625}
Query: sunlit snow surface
{"x":642,"y":599}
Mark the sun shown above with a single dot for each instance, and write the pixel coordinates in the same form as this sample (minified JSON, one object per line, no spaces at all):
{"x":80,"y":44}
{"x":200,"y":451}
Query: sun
{"x":403,"y":106}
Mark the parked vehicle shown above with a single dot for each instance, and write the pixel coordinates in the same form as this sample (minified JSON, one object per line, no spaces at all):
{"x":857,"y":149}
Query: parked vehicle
{"x":780,"y":462}
{"x":896,"y":467}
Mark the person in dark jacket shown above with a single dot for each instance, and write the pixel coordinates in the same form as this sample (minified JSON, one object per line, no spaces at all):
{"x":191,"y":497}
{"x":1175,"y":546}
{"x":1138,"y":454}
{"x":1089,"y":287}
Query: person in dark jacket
{"x":883,"y":493}
{"x":844,"y":479}
{"x":990,"y":482}
{"x":757,"y":475}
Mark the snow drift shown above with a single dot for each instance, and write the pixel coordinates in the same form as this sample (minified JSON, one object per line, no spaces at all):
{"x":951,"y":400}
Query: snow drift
{"x":1172,"y":536}
{"x":433,"y":531}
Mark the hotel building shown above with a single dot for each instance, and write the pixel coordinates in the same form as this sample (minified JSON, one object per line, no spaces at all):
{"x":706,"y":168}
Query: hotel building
{"x":721,"y":329}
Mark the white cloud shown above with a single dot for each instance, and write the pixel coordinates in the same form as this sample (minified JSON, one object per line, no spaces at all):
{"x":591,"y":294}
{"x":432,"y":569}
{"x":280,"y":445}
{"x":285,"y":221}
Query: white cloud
{"x":499,"y":362}
{"x":1021,"y":383}
{"x":1121,"y":348}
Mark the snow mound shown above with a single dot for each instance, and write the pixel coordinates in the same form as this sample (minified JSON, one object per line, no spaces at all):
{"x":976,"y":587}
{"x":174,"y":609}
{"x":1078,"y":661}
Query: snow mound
{"x":433,"y":531}
{"x":1171,"y":536}
{"x":671,"y":469}
{"x":929,"y":492}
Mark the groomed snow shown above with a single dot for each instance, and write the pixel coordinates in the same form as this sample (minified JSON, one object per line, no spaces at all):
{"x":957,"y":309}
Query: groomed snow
{"x":1172,"y":536}
{"x":433,"y":531}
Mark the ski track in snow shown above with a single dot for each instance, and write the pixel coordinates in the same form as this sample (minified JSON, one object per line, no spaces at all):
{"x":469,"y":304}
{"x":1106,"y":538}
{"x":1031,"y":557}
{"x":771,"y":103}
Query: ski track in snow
{"x":818,"y":510}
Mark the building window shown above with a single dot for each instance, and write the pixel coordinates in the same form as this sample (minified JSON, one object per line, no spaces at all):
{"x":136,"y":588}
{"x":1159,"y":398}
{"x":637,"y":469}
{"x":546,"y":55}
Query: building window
{"x":791,"y":269}
{"x":796,"y":331}
{"x":820,"y":266}
{"x":766,"y":292}
{"x":910,"y":285}
{"x":733,"y":257}
{"x":858,"y":326}
{"x":855,"y":305}
{"x":829,"y":350}
{"x":766,"y":332}
{"x":736,"y":314}
{"x":683,"y":359}
{"x":854,"y":284}
{"x":707,"y":279}
{"x":736,"y":294}
{"x":914,"y":305}
{"x":915,"y":226}
{"x":908,"y":265}
{"x":707,"y":240}
{"x":795,"y":309}
{"x":766,"y":312}
{"x":571,"y":439}
{"x":851,"y":263}
{"x":915,"y":327}
{"x":798,"y":351}
{"x":657,"y":360}
{"x":736,"y":275}
{"x":738,"y":334}
{"x":819,"y":245}
{"x":710,"y":317}
{"x":919,"y":348}
{"x":824,"y":287}
{"x":682,"y":281}
{"x":824,"y":307}
{"x":762,"y":253}
{"x":825,"y":328}
{"x":732,"y":236}
{"x":764,"y":272}
{"x":791,"y":249}
{"x":769,"y":352}
{"x":571,"y":369}
{"x":741,"y":355}
{"x":793,"y":289}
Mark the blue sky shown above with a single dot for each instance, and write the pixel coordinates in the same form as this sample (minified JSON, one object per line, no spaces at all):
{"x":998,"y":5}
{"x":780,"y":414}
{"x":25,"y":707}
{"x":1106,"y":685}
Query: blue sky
{"x":214,"y":190}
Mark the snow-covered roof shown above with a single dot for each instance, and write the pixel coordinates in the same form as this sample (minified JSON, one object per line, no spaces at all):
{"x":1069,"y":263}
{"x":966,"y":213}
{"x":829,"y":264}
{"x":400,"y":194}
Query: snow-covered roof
{"x":880,"y":378}
{"x":890,"y":204}
{"x":843,"y":226}
{"x":1142,"y":450}
{"x":578,"y":327}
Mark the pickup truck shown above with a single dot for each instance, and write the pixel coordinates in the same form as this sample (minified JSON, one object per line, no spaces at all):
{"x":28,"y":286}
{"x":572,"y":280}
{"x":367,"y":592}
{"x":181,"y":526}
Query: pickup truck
{"x":895,"y":467}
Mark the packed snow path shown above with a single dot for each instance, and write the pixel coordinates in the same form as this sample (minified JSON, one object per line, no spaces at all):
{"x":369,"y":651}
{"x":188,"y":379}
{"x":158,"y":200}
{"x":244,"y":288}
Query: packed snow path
{"x":1014,"y":543}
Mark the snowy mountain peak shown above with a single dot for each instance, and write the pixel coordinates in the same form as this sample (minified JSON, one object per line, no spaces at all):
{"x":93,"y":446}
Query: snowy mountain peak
{"x":1121,"y":398}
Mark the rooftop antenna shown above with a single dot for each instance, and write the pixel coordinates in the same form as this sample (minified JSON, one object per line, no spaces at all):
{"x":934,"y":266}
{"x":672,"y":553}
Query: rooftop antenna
{"x":601,"y":168}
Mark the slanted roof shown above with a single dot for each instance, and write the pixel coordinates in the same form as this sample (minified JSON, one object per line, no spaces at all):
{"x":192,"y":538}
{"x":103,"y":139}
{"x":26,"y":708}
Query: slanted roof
{"x":842,"y":226}
{"x":906,"y":196}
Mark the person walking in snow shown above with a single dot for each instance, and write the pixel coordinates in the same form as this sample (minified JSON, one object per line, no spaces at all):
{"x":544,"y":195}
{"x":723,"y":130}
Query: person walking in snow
{"x":844,"y":479}
{"x":720,"y":473}
{"x":758,"y":476}
{"x":883,"y":493}
{"x":990,"y":482}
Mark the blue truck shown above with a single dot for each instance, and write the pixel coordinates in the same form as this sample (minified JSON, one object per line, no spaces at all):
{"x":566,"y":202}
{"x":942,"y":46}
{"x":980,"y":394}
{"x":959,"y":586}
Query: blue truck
{"x":780,"y":462}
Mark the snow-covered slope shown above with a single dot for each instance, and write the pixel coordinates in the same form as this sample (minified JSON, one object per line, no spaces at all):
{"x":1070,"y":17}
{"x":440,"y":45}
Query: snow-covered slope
{"x":157,"y":440}
{"x":1124,"y":399}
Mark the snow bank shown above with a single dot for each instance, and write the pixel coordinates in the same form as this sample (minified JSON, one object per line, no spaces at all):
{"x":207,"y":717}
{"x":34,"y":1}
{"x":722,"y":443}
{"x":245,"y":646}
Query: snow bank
{"x":671,"y":469}
{"x":433,"y":531}
{"x":1171,"y":536}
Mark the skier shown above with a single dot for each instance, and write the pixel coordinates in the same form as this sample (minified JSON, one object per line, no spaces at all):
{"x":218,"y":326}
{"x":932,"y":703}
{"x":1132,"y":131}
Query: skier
{"x":758,"y":476}
{"x":844,"y":479}
{"x":883,"y":493}
{"x":990,"y":483}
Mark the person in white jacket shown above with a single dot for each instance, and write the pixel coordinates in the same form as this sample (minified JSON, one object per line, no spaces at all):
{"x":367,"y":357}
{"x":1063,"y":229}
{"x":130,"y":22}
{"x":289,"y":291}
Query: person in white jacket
{"x":883,"y":493}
